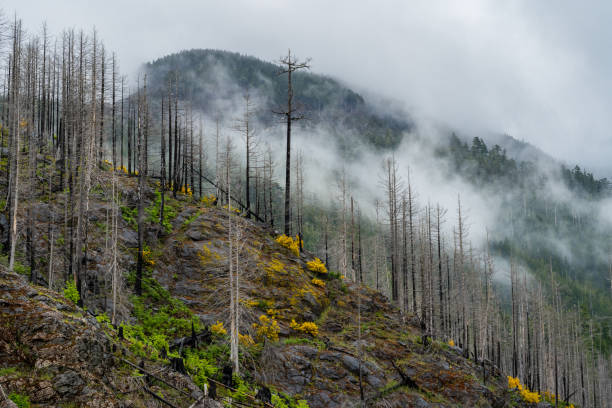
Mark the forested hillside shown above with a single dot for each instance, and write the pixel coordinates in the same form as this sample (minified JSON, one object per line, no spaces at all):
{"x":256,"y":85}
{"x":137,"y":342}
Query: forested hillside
{"x":225,"y":265}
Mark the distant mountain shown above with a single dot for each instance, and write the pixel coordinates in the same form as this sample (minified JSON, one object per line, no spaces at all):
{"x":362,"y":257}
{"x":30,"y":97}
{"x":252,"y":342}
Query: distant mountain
{"x":215,"y":81}
{"x":519,"y":149}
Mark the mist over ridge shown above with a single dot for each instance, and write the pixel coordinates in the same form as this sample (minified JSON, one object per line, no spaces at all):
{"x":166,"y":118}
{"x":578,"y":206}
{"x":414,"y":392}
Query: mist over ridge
{"x":354,"y":132}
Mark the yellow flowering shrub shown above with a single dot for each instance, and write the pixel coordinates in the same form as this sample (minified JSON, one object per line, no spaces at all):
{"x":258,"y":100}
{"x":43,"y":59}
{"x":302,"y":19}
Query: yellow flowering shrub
{"x":245,"y":340}
{"x":316,"y":266}
{"x":267,"y":328}
{"x":306,"y":327}
{"x":273,"y":312}
{"x":250,"y":303}
{"x":122,"y":169}
{"x":550,"y":397}
{"x":299,"y":294}
{"x":528,"y":396}
{"x":451,"y":343}
{"x":207,"y":255}
{"x":318,"y":282}
{"x":208,"y":200}
{"x":290,"y":243}
{"x":234,"y":209}
{"x":186,"y":190}
{"x":146,"y":257}
{"x":218,"y":328}
{"x":276,"y":273}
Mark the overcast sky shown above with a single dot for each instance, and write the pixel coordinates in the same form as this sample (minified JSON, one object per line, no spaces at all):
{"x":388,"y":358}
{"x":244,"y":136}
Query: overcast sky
{"x":538,"y":70}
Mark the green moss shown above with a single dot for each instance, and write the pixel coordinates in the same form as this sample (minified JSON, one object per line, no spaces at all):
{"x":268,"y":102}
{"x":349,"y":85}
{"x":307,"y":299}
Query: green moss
{"x":22,"y":401}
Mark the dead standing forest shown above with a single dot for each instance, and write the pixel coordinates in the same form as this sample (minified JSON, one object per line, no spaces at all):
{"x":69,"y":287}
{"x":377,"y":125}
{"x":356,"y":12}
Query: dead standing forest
{"x":72,"y":126}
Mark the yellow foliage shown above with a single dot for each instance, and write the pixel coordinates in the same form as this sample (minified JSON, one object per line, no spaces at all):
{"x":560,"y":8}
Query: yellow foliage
{"x":208,"y":200}
{"x":451,"y":343}
{"x":306,"y":327}
{"x":341,"y":303}
{"x":290,"y":243}
{"x":316,"y":266}
{"x":278,"y":273}
{"x":245,"y":339}
{"x":528,"y":396}
{"x":267,"y":328}
{"x":251,"y":302}
{"x":234,"y":209}
{"x":146,"y":253}
{"x":276,"y":266}
{"x":186,"y":190}
{"x":318,"y":282}
{"x":513,"y":382}
{"x":218,"y":328}
{"x":272,"y":312}
{"x":122,"y":169}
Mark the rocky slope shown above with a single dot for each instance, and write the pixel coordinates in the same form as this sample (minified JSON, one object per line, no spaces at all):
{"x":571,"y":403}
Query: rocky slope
{"x":300,"y":328}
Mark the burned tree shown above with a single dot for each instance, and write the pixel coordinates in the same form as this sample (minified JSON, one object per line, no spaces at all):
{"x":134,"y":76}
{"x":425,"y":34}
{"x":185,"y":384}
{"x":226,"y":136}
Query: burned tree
{"x":291,"y":113}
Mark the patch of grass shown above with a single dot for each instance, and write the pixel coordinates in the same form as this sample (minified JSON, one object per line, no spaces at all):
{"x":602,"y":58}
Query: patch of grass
{"x":192,"y":218}
{"x":7,"y":371}
{"x":18,"y":267}
{"x":170,"y":211}
{"x":430,"y":396}
{"x":323,"y":317}
{"x":306,"y":341}
{"x":160,"y":318}
{"x":129,"y":216}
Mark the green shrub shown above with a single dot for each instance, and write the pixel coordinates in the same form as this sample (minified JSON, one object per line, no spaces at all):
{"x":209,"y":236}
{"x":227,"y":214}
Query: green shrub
{"x":129,"y":216}
{"x":204,"y":363}
{"x":242,"y":390}
{"x":103,"y":318}
{"x":278,"y":401}
{"x":169,"y":211}
{"x":71,"y":293}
